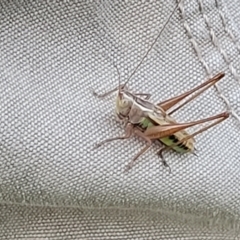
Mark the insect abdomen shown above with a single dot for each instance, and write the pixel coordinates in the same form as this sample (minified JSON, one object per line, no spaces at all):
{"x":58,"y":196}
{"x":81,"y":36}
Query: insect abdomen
{"x":172,"y":139}
{"x":181,"y":147}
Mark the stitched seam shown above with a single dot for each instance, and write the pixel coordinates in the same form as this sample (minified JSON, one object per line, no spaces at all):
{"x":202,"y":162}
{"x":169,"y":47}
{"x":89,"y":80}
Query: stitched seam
{"x":228,"y":30}
{"x":192,"y":40}
{"x":235,"y":42}
{"x":216,"y":44}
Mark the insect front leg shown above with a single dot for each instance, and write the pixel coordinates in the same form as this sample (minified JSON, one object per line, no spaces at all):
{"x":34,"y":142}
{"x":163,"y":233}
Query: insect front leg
{"x":128,"y":133}
{"x":104,"y":94}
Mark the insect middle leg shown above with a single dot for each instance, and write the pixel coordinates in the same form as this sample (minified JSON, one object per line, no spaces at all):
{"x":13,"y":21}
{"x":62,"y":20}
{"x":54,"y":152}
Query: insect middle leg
{"x":128,"y":133}
{"x":140,"y":134}
{"x":160,"y":154}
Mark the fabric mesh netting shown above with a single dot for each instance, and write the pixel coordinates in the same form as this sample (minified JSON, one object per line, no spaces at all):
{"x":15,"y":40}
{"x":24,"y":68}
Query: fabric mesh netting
{"x":53,"y":183}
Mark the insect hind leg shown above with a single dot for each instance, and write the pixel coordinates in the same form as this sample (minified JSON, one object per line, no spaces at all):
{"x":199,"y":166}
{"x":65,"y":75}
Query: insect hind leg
{"x":169,"y":103}
{"x":220,"y":118}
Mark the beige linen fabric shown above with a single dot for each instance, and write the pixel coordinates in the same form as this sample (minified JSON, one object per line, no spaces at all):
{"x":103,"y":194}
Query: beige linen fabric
{"x":53,"y":184}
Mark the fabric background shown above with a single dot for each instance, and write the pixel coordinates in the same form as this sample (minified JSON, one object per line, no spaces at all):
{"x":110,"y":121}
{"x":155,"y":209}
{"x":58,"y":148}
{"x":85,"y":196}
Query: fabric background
{"x":53,"y":184}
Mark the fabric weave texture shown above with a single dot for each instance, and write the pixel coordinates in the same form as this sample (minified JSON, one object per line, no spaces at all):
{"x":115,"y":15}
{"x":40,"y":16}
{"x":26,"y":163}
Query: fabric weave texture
{"x":53,"y":183}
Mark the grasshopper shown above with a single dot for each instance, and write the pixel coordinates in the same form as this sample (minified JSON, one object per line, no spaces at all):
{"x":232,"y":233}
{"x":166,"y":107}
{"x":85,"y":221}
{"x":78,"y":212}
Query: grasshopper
{"x":152,"y":122}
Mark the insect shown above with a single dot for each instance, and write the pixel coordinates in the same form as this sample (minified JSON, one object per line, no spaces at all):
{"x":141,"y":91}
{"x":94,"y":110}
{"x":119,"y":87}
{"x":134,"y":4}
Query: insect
{"x":153,"y":122}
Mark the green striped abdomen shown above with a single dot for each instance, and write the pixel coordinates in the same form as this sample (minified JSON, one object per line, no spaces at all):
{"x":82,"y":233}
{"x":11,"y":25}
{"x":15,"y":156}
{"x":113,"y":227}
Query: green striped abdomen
{"x":168,"y":141}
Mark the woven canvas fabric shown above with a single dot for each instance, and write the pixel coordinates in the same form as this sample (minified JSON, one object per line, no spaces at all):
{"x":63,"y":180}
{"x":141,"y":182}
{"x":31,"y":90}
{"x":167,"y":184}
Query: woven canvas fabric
{"x":53,"y":183}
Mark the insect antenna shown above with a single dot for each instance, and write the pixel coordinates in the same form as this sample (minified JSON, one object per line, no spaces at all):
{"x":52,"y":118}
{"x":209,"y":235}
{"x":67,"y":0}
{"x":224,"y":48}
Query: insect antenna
{"x":111,"y":91}
{"x":119,"y":77}
{"x":151,"y":46}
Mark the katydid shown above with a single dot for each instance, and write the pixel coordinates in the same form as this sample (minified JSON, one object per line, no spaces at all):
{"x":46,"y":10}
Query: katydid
{"x":152,"y":122}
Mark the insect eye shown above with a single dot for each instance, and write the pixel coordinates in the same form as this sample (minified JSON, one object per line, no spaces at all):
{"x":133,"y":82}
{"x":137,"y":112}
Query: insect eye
{"x":125,"y":102}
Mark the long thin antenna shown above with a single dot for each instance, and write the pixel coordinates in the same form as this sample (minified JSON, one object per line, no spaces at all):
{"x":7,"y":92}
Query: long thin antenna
{"x":151,"y":46}
{"x":118,"y":77}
